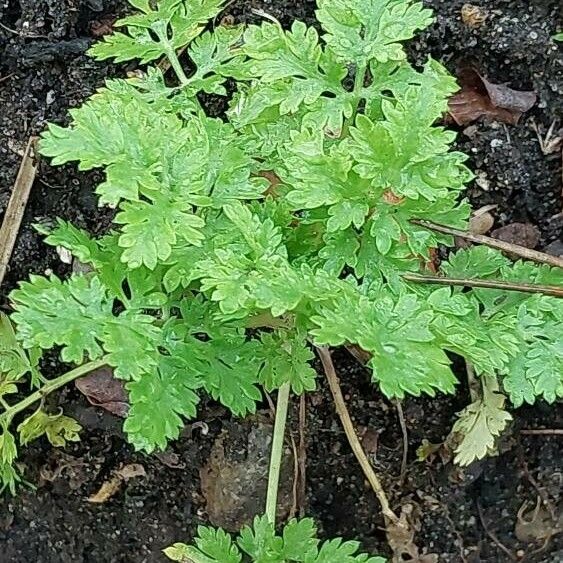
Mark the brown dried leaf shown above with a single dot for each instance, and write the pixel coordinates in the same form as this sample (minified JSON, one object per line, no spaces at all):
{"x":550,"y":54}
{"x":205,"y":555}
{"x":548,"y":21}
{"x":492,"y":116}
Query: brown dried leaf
{"x":480,"y":98}
{"x":537,"y":525}
{"x":131,"y":470}
{"x":524,"y":234}
{"x":400,"y":537}
{"x":473,"y":16}
{"x":103,"y":390}
{"x":234,"y":486}
{"x":103,"y":26}
{"x":170,"y":459}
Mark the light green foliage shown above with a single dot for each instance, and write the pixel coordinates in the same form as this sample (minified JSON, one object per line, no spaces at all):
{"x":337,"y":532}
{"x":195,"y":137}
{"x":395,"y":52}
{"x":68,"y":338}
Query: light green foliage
{"x":241,"y":241}
{"x":174,"y":23}
{"x":57,"y":427}
{"x":362,"y":31}
{"x":480,"y":423}
{"x":523,"y":343}
{"x":260,"y":544}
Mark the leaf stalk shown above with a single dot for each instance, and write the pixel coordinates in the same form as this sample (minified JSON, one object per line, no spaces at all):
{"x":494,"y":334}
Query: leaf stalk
{"x":52,"y":385}
{"x":358,"y":86}
{"x":276,"y":453}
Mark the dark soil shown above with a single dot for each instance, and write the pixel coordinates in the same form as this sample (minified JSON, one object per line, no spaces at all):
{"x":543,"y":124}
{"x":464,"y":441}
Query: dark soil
{"x":43,"y":72}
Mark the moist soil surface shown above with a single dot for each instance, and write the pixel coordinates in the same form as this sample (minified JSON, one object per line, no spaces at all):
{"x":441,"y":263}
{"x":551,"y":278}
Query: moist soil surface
{"x":484,"y":513}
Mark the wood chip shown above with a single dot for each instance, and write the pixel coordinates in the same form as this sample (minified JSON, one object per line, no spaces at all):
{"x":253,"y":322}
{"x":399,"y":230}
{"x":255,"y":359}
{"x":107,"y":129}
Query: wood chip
{"x":16,"y":206}
{"x":112,"y":486}
{"x":482,"y":221}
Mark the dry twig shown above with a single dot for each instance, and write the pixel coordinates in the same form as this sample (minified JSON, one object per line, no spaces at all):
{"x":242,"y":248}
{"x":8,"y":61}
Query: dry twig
{"x":16,"y":206}
{"x":542,"y":431}
{"x":521,"y":251}
{"x":405,"y":441}
{"x":541,"y":491}
{"x":361,"y":456}
{"x":295,"y":486}
{"x":550,"y":290}
{"x":302,"y":456}
{"x":493,"y":536}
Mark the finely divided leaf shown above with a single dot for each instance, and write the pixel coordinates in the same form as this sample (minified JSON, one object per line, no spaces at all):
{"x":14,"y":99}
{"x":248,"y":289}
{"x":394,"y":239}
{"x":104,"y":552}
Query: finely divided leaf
{"x":359,"y":31}
{"x":261,"y":544}
{"x":480,"y":423}
{"x":158,"y":401}
{"x":162,"y":27}
{"x":213,"y":546}
{"x":291,"y":70}
{"x":57,"y":427}
{"x":71,"y":314}
{"x":286,"y":358}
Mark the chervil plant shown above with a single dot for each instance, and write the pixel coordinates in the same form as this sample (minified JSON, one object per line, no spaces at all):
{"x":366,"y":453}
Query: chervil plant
{"x":239,"y":241}
{"x":260,"y":543}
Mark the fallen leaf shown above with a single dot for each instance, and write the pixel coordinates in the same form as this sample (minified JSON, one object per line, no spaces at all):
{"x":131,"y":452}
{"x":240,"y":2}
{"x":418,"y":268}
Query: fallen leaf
{"x":75,"y":469}
{"x":131,"y":470}
{"x":103,"y":390}
{"x":480,"y":98}
{"x":370,"y":440}
{"x":427,"y":451}
{"x":523,"y":234}
{"x":274,"y":180}
{"x":391,"y":198}
{"x":400,"y":537}
{"x":103,"y":26}
{"x":111,"y":487}
{"x":537,"y":525}
{"x":473,"y":16}
{"x":170,"y":459}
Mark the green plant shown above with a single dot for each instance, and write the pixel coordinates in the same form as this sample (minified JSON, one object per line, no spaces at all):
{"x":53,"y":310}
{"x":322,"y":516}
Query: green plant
{"x":260,"y":543}
{"x":240,"y":241}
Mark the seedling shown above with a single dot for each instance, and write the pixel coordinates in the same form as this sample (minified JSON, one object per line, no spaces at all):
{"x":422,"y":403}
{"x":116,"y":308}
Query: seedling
{"x":259,"y":542}
{"x":239,"y":241}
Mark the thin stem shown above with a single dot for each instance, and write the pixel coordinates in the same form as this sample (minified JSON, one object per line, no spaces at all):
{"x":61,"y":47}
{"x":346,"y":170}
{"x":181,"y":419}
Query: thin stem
{"x":359,"y":80}
{"x":302,"y":455}
{"x":342,"y":411}
{"x":405,"y":435}
{"x":52,"y":385}
{"x":550,"y":290}
{"x":473,"y":384}
{"x":276,"y":453}
{"x":542,"y":431}
{"x":358,"y":85}
{"x":521,"y":251}
{"x":175,"y":62}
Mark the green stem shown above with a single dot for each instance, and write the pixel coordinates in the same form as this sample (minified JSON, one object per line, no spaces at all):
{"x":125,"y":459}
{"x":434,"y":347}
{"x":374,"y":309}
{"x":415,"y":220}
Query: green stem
{"x":276,"y":454}
{"x":358,"y":85}
{"x":52,"y":385}
{"x":175,"y":62}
